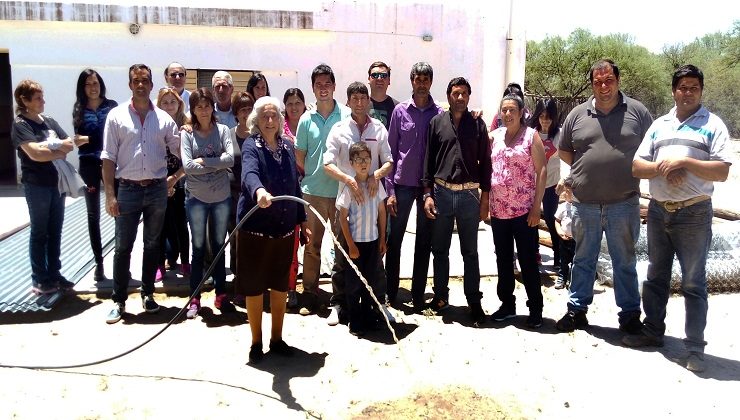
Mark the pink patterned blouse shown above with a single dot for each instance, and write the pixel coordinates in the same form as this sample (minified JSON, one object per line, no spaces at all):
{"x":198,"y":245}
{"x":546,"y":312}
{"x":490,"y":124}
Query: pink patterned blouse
{"x":287,"y":132}
{"x":513,"y":178}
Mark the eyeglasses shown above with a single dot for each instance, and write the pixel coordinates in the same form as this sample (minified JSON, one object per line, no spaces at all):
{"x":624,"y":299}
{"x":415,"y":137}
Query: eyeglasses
{"x":360,"y":160}
{"x":180,"y":75}
{"x":379,"y":75}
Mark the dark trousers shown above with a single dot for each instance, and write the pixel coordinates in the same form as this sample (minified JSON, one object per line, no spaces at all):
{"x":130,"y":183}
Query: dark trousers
{"x":505,"y":232}
{"x":549,"y":206}
{"x":135,"y":201}
{"x":359,"y":302}
{"x":405,"y":198}
{"x":91,"y":173}
{"x":339,"y":273}
{"x":567,"y":251}
{"x":175,"y":229}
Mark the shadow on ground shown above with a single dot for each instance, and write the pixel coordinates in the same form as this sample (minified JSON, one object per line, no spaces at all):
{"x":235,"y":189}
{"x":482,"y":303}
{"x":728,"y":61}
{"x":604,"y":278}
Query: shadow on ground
{"x":718,"y":368}
{"x":70,"y":305}
{"x":283,"y":369}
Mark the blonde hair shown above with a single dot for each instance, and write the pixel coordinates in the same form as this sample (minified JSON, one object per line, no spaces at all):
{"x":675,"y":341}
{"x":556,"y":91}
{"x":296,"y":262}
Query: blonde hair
{"x":25,"y":90}
{"x":180,"y":117}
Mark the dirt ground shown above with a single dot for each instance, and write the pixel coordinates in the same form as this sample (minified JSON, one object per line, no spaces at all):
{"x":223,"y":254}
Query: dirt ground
{"x":443,"y":368}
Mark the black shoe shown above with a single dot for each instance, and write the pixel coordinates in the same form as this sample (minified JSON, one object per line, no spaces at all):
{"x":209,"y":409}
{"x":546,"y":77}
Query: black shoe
{"x":357,"y":331}
{"x":632,"y":326}
{"x":64,"y":284}
{"x":149,"y":305}
{"x":642,"y":340}
{"x":571,"y":321}
{"x":116,"y":313}
{"x":534,"y":320}
{"x":503,"y":313}
{"x":99,"y":273}
{"x":438,"y":305}
{"x":477,"y":314}
{"x":281,"y":348}
{"x":255,"y":353}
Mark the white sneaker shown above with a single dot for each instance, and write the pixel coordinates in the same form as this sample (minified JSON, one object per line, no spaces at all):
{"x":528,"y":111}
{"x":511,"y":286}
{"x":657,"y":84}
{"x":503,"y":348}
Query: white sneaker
{"x":388,"y":314}
{"x":333,"y":318}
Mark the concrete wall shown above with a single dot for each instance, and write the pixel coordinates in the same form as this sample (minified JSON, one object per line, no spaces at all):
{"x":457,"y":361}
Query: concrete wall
{"x":467,"y":40}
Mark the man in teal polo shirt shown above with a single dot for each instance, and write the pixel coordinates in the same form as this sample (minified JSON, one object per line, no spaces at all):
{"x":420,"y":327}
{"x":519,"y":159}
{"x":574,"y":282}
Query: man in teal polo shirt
{"x":318,"y":188}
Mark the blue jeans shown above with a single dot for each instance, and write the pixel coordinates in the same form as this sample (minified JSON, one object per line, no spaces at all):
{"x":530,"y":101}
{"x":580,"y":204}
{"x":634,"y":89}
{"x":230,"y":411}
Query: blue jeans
{"x":46,"y":213}
{"x":405,"y":197}
{"x":199,"y":214}
{"x":687,"y":233}
{"x":505,"y":232}
{"x":461,"y":206}
{"x":620,"y":222}
{"x":133,"y":202}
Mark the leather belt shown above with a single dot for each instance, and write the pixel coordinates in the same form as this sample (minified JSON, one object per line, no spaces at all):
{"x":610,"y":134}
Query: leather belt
{"x":671,"y":206}
{"x":140,"y":182}
{"x":457,"y":187}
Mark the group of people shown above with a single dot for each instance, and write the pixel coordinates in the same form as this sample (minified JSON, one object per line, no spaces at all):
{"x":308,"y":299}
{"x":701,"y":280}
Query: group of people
{"x":204,"y":158}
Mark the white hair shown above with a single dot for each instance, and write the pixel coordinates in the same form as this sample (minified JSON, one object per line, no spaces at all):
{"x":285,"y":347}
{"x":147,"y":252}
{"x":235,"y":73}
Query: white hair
{"x":222,"y":75}
{"x":259,"y":108}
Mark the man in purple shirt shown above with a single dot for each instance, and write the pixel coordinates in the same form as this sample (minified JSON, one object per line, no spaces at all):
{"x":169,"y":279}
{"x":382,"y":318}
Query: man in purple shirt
{"x":135,"y":141}
{"x":407,"y":136}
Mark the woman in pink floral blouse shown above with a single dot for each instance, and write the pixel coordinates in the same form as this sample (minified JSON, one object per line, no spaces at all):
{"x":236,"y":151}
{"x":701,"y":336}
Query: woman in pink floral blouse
{"x":517,"y":187}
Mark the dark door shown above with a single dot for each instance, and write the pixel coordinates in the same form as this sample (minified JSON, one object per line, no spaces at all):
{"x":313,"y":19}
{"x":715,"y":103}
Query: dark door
{"x":7,"y":152}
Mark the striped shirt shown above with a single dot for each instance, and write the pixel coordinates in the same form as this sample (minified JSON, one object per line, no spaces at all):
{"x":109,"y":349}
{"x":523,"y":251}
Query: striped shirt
{"x":363,"y":218}
{"x":702,"y":136}
{"x":138,"y":149}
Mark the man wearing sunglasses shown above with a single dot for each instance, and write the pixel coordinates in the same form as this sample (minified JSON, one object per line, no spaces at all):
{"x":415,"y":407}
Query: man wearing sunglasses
{"x":381,"y":105}
{"x":175,"y":75}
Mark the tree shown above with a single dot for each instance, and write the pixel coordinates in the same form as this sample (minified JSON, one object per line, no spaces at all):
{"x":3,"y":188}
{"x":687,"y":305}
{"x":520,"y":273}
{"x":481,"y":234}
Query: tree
{"x":718,"y":56}
{"x":558,"y":67}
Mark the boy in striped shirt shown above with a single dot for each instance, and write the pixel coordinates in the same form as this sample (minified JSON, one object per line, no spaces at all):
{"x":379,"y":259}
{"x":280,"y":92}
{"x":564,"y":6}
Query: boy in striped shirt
{"x":363,"y":226}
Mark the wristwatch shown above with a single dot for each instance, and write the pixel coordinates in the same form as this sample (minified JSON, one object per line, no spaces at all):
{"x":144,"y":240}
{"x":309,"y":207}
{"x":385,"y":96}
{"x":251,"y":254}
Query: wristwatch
{"x":425,"y":196}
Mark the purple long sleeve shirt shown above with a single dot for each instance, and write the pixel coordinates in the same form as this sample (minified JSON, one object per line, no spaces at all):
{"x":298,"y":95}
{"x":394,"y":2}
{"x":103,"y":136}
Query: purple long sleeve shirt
{"x":407,"y":137}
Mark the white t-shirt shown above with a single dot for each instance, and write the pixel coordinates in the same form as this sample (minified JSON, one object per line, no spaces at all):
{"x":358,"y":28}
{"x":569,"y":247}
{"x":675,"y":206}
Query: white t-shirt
{"x":564,"y":213}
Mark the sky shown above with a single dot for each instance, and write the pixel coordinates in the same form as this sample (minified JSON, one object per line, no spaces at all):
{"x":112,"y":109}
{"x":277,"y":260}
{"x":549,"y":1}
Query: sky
{"x":652,"y":23}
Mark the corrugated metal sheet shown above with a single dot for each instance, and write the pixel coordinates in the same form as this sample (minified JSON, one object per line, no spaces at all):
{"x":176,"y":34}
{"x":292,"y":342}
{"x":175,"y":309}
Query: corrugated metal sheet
{"x":161,"y":15}
{"x":77,"y":259}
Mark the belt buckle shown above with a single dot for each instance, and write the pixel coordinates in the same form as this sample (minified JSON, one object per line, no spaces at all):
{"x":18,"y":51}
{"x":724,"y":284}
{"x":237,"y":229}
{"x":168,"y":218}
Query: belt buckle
{"x":671,"y":206}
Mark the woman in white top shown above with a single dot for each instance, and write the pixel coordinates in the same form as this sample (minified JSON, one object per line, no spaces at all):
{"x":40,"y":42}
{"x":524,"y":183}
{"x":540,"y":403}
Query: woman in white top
{"x":545,"y":121}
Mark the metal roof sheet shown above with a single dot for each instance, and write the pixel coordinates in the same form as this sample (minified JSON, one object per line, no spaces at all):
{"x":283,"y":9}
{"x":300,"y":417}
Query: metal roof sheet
{"x":77,"y":259}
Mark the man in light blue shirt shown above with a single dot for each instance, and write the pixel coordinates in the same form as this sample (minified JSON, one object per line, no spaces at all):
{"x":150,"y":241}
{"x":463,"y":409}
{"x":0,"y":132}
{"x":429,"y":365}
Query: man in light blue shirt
{"x":318,"y":188}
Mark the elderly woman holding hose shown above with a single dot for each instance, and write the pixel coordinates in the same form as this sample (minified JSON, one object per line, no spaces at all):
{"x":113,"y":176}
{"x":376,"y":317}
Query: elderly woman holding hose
{"x":265,"y":240}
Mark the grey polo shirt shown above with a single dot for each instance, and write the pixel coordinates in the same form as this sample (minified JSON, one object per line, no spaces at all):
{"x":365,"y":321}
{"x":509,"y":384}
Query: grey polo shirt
{"x":604,"y":146}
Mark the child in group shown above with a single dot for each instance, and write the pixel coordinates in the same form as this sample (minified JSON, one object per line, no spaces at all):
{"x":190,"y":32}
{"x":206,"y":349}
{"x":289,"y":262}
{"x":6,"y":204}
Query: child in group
{"x":564,"y":227}
{"x":363,"y":226}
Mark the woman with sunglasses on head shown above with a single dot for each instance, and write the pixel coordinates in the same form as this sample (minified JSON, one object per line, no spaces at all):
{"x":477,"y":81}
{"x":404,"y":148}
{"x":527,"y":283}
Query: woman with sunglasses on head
{"x":207,"y":154}
{"x":175,"y":229}
{"x":295,"y":106}
{"x":88,"y":119}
